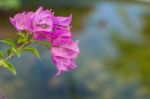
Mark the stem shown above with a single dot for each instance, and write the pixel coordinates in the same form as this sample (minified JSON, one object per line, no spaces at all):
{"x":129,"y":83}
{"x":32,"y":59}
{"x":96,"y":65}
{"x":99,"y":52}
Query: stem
{"x":21,"y":47}
{"x":9,"y":57}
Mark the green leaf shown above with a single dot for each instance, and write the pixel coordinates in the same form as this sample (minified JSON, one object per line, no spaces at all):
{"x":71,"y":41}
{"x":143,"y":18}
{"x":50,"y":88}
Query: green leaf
{"x":14,"y":50}
{"x":32,"y":50}
{"x":20,"y":40}
{"x":1,"y":54}
{"x":18,"y":53}
{"x":9,"y":42}
{"x":9,"y":51}
{"x":8,"y":66}
{"x":22,"y":37}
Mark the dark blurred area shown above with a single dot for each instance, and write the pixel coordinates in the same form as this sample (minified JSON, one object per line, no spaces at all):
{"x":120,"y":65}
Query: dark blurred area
{"x":115,"y":52}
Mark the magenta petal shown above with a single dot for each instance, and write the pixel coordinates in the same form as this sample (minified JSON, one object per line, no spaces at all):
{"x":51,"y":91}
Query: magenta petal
{"x":72,"y":46}
{"x":61,"y":41}
{"x":42,"y":23}
{"x":62,"y":52}
{"x":18,"y":21}
{"x":22,"y":21}
{"x":61,"y":33}
{"x":12,"y":21}
{"x":38,"y":11}
{"x":63,"y":65}
{"x":64,"y":55}
{"x":66,"y":43}
{"x":63,"y":21}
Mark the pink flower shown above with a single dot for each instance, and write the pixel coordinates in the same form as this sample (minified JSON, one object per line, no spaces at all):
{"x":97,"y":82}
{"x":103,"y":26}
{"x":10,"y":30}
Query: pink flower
{"x":64,"y":54}
{"x":61,"y":28}
{"x":20,"y":21}
{"x":56,"y":29}
{"x":41,"y":23}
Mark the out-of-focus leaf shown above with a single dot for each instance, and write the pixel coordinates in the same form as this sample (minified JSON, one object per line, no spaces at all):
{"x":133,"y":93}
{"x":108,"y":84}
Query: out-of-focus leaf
{"x":22,"y":37}
{"x":9,"y":42}
{"x":13,"y":50}
{"x":32,"y":50}
{"x":20,"y":40}
{"x":1,"y":54}
{"x":9,"y":51}
{"x":10,"y":4}
{"x":18,"y":53}
{"x":9,"y":66}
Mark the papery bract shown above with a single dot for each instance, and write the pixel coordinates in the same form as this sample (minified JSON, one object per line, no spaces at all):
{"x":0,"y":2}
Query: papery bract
{"x":58,"y":34}
{"x":64,"y":55}
{"x":62,"y":21}
{"x":63,"y":64}
{"x":20,"y":21}
{"x":41,"y":23}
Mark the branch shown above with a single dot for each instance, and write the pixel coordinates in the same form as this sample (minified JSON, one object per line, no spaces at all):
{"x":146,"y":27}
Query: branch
{"x":21,"y":48}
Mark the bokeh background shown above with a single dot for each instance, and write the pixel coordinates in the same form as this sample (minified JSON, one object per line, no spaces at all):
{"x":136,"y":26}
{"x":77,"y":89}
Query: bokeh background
{"x":115,"y":52}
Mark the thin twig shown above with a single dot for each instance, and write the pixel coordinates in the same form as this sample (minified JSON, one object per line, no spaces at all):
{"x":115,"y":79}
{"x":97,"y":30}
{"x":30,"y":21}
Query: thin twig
{"x":21,"y":47}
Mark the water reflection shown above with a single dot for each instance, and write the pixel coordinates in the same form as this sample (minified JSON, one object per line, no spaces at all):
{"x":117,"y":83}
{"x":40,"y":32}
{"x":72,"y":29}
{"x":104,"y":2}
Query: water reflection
{"x":113,"y":64}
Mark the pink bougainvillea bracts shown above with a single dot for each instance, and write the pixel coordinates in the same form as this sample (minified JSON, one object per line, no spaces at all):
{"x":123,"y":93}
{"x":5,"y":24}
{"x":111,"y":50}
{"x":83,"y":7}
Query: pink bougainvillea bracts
{"x":44,"y":25}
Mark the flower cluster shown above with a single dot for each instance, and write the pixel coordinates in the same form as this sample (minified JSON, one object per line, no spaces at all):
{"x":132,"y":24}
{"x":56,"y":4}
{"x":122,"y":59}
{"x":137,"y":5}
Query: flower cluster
{"x":44,"y":25}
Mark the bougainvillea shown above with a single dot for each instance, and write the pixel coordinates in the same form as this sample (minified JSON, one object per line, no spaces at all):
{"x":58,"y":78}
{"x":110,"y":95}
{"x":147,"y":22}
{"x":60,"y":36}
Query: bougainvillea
{"x":42,"y":27}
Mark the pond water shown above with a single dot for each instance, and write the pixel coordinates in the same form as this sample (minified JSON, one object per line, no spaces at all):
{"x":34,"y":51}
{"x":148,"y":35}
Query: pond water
{"x":113,"y":64}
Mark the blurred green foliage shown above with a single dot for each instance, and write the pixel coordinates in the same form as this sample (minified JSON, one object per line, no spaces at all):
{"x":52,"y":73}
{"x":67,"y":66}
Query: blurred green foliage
{"x":134,"y":60}
{"x":9,"y":4}
{"x":15,"y":4}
